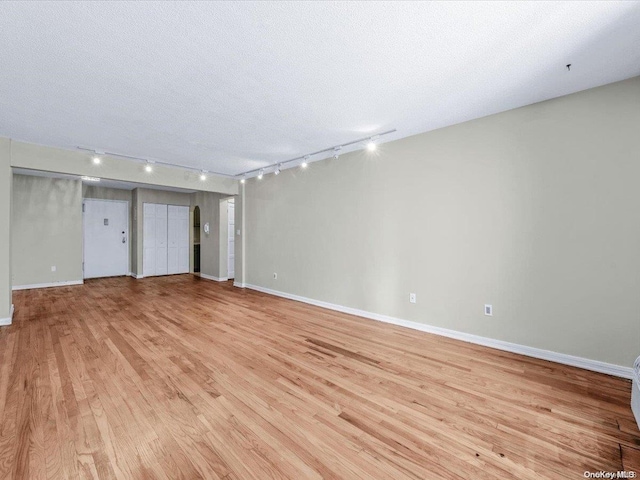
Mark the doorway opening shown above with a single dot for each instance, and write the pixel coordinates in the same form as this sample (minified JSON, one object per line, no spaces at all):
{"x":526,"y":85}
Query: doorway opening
{"x":231,"y":229}
{"x":196,"y":239}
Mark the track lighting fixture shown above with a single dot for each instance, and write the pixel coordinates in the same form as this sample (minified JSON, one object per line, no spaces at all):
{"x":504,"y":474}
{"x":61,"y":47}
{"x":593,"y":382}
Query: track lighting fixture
{"x":96,"y":157}
{"x":303,"y":161}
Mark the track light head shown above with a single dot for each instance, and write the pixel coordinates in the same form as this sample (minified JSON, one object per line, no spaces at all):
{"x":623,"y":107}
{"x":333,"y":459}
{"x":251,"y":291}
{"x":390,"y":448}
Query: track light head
{"x":96,"y":160}
{"x":242,"y":181}
{"x":371,"y":146}
{"x":261,"y":174}
{"x":148,"y":168}
{"x":304,"y":164}
{"x":277,"y":170}
{"x":203,"y":175}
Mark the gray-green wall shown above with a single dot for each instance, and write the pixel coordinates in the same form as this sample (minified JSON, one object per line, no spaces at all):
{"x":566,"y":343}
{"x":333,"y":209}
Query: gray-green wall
{"x":534,"y":211}
{"x":6,"y":181}
{"x":46,"y":230}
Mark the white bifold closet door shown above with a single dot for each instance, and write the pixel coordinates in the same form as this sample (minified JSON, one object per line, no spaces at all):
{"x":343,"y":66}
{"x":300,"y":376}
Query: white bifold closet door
{"x":178,"y":236}
{"x":154,"y":233}
{"x":165,"y":239}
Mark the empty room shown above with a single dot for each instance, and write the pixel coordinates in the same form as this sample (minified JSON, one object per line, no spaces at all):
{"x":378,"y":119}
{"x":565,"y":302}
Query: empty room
{"x":306,"y":240}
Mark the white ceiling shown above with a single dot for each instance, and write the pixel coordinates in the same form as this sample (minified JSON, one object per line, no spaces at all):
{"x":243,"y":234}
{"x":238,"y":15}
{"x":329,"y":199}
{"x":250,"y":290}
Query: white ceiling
{"x":230,"y":87}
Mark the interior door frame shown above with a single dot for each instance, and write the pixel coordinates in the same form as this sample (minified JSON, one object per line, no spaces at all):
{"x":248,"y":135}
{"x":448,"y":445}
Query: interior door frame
{"x":231,"y":235}
{"x":128,"y":274}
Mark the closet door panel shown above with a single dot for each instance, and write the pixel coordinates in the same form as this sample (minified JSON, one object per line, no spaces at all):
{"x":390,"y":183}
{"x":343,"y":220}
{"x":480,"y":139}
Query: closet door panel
{"x":149,"y":240}
{"x":161,"y":240}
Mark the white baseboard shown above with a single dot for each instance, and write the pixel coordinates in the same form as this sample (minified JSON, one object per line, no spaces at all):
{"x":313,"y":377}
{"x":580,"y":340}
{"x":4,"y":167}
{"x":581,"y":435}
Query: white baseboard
{"x":7,"y":321}
{"x":239,"y":285}
{"x":215,"y":279}
{"x":594,"y":365}
{"x":47,"y":285}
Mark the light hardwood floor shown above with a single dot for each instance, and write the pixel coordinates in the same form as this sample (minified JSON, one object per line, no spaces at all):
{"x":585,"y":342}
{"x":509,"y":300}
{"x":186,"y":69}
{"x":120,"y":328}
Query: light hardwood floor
{"x":178,"y":377}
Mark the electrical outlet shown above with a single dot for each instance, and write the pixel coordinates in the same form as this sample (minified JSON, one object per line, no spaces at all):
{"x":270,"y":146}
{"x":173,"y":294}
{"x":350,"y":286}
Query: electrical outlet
{"x":412,"y":297}
{"x":275,"y":276}
{"x":488,"y":310}
{"x":53,"y":268}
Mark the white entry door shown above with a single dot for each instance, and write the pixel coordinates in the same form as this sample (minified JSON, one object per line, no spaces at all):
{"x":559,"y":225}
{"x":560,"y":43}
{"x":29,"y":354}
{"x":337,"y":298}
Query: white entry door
{"x":231,"y":240}
{"x":154,"y":243}
{"x":106,"y":238}
{"x":178,"y":245}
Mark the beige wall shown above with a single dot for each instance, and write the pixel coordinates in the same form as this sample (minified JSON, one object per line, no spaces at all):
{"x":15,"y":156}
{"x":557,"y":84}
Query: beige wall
{"x":6,"y":180}
{"x":75,"y":162}
{"x":46,"y":230}
{"x":534,"y":211}
{"x":105,"y":193}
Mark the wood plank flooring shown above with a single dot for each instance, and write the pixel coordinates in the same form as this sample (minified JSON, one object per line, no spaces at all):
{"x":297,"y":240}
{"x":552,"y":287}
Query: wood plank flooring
{"x":178,"y":377}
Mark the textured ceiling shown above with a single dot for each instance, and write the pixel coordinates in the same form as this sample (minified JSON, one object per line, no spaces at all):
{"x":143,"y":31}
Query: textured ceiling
{"x":230,"y":87}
